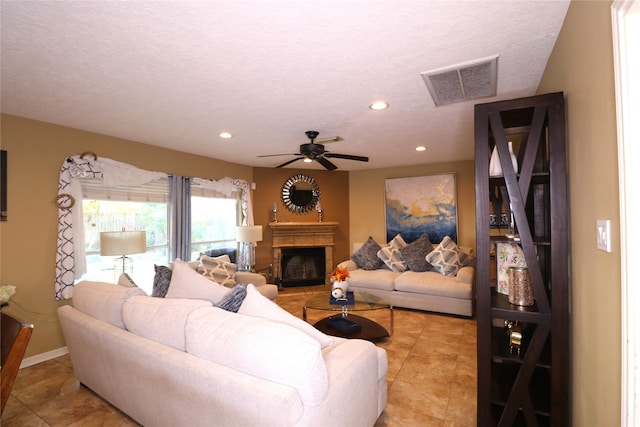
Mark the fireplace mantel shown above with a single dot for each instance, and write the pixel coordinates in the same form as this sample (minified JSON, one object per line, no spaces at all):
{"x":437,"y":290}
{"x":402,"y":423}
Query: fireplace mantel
{"x":302,"y":235}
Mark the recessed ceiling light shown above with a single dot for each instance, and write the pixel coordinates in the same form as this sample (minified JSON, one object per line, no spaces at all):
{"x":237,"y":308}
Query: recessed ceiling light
{"x":379,"y":105}
{"x":421,"y":148}
{"x":226,"y":135}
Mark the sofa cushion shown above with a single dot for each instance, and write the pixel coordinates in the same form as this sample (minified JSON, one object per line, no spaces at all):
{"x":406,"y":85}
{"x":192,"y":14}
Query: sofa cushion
{"x":219,"y":270}
{"x":160,"y":319}
{"x":161,"y":281}
{"x":258,"y":347}
{"x":447,"y":258}
{"x":257,"y":305}
{"x":372,"y":279}
{"x":433,"y":283}
{"x":391,"y":256}
{"x":103,"y":300}
{"x":367,"y":256}
{"x":232,"y":301}
{"x":414,"y":254}
{"x":187,"y":283}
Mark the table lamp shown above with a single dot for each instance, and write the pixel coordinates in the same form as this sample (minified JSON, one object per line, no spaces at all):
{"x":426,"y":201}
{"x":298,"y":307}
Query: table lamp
{"x":248,"y":235}
{"x":121,"y":244}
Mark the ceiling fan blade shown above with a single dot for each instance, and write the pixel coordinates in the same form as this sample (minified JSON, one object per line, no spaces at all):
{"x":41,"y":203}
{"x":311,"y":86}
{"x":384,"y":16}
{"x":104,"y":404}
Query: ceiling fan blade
{"x":328,"y":139}
{"x":347,"y":156}
{"x":275,"y":155}
{"x":326,"y":163}
{"x":289,"y":162}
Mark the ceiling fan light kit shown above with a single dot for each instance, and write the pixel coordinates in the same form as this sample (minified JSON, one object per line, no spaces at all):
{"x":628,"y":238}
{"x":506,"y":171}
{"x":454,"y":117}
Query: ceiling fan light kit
{"x":314,"y":151}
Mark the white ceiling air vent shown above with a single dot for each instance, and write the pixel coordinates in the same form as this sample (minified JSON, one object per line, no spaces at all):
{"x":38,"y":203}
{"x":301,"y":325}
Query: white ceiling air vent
{"x":462,"y":82}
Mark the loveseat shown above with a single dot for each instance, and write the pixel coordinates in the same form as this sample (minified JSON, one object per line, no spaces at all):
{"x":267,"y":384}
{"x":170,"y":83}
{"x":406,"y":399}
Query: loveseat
{"x":188,"y":362}
{"x":379,"y":270}
{"x":220,"y":268}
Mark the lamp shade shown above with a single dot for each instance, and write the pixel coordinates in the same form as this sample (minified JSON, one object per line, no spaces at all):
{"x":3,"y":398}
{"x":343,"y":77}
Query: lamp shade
{"x":122,"y":242}
{"x":249,"y":233}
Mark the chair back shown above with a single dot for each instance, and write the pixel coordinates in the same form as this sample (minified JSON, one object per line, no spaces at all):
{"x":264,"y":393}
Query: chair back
{"x":14,"y":337}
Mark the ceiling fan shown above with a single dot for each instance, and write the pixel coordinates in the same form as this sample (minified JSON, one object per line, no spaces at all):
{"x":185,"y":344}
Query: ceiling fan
{"x":315,"y":151}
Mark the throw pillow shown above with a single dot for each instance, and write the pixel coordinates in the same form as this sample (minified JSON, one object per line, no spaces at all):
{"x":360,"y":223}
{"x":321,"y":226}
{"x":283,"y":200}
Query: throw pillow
{"x":257,"y":305}
{"x":187,"y":283}
{"x":126,"y":281}
{"x":367,"y":256}
{"x":447,"y":258}
{"x":391,"y":256}
{"x":230,"y":252}
{"x":414,"y":254}
{"x":161,"y":281}
{"x":218,"y":270}
{"x":233,"y":300}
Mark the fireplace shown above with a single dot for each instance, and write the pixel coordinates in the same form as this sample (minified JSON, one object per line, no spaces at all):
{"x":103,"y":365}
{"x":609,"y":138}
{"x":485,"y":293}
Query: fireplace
{"x":302,"y":252}
{"x":302,"y":266}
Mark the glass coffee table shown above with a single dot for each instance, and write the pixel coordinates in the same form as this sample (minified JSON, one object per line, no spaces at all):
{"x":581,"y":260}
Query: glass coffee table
{"x":345,"y":323}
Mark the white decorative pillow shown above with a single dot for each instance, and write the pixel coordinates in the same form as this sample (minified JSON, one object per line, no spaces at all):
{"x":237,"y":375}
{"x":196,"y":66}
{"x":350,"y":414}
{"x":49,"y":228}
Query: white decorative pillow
{"x":257,"y":305}
{"x":219,"y":270}
{"x":391,"y":255}
{"x":447,"y":258}
{"x":187,"y":283}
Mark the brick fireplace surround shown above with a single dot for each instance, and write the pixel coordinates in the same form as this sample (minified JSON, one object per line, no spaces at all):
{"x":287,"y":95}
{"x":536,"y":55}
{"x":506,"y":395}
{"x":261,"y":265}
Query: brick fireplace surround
{"x":302,"y":235}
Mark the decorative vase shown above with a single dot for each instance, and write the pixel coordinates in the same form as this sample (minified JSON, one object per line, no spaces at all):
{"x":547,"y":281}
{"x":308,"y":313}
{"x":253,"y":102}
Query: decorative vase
{"x":514,"y":159}
{"x":520,"y":290}
{"x":339,"y":290}
{"x":495,"y":169}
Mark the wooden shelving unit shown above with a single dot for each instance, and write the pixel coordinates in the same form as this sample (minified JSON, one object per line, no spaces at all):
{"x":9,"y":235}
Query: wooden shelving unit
{"x":529,"y":387}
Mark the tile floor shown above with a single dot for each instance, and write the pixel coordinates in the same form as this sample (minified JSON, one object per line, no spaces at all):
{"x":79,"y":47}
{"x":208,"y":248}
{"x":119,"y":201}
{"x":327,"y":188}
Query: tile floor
{"x":431,"y":378}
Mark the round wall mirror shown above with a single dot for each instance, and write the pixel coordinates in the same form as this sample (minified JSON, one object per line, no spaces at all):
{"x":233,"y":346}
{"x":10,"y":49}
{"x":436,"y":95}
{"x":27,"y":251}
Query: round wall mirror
{"x":300,"y":194}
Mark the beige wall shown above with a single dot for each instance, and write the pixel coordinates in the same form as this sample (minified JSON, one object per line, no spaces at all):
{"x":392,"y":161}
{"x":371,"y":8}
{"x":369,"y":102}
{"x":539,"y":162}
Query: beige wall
{"x":582,"y":66}
{"x":367,"y":205}
{"x":36,"y":151}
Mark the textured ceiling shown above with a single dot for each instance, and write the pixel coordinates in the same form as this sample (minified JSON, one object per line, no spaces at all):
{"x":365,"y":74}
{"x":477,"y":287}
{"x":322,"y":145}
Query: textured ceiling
{"x":176,"y":74}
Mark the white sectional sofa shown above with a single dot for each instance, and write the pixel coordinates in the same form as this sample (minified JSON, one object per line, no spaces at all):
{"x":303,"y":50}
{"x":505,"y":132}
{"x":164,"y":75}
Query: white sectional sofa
{"x":185,"y":362}
{"x":421,"y":290}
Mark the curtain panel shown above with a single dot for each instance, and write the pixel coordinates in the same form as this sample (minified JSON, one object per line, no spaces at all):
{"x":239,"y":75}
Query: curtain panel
{"x":70,"y":254}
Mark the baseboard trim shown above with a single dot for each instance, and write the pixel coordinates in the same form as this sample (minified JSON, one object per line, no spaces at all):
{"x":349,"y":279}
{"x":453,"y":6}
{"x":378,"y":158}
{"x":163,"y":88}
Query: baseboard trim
{"x":43,"y":357}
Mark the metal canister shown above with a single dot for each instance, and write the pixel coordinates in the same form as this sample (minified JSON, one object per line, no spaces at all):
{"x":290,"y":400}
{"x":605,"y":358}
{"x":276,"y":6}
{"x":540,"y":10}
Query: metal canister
{"x":520,"y":290}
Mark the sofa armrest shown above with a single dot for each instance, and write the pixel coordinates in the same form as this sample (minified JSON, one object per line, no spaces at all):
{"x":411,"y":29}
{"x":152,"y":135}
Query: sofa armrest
{"x":248,"y":277}
{"x":349,"y":265}
{"x":465,"y":275}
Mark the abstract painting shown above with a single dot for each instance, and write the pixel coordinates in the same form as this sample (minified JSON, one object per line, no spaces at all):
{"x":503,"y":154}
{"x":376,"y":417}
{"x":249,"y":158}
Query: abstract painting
{"x":422,"y":204}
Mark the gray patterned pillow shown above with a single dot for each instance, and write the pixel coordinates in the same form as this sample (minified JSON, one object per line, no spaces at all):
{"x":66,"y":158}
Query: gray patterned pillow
{"x":447,"y":258}
{"x":414,"y":254}
{"x":233,"y":300}
{"x":161,"y":281}
{"x":391,"y":256}
{"x":126,"y":281}
{"x":367,"y":256}
{"x":219,"y":271}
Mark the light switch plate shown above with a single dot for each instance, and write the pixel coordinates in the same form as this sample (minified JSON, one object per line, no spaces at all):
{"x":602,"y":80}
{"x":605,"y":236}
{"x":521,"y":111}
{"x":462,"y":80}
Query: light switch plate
{"x":603,"y":238}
